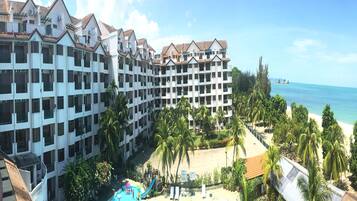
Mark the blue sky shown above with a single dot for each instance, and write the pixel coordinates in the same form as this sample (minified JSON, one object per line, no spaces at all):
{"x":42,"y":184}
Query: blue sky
{"x":303,"y":41}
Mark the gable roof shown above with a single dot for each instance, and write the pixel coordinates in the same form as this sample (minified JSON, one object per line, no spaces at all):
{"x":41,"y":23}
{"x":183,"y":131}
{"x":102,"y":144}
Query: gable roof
{"x":53,"y":5}
{"x":28,"y":1}
{"x":86,"y":19}
{"x":202,"y":45}
{"x":142,"y":41}
{"x":128,"y":32}
{"x":4,"y":7}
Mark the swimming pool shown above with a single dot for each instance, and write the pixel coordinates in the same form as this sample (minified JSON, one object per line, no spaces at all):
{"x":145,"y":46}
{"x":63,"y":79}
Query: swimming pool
{"x":127,"y":194}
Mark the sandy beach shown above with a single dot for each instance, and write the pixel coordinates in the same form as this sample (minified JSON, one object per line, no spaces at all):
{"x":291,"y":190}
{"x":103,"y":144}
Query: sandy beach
{"x":346,"y":128}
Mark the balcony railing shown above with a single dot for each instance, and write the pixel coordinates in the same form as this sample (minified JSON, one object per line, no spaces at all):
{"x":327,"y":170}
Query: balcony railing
{"x":39,"y":190}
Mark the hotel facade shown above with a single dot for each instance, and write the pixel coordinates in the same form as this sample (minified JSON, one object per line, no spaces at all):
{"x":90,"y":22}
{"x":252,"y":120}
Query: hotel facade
{"x":54,"y":72}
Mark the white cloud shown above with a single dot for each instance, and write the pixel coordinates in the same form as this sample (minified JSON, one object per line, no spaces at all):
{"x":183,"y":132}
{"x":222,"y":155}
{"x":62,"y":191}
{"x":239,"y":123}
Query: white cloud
{"x":317,"y":50}
{"x":142,"y":26}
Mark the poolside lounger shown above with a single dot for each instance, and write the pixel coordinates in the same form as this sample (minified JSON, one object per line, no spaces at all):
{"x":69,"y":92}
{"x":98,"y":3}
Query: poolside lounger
{"x":172,"y":189}
{"x":177,"y":193}
{"x":203,"y":191}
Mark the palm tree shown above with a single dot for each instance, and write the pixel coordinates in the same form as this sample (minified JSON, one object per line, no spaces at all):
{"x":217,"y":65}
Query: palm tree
{"x":237,"y":134}
{"x":109,"y":135}
{"x":220,"y":117}
{"x":165,"y":145}
{"x":315,"y":189}
{"x":184,"y":141}
{"x":308,"y":147}
{"x":335,"y":161}
{"x":112,"y":90}
{"x":183,"y":107}
{"x":272,"y":171}
{"x":122,"y":113}
{"x":256,"y":105}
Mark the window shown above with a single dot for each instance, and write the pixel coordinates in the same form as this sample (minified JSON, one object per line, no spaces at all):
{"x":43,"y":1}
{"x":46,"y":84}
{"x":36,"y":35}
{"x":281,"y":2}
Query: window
{"x":70,"y":51}
{"x":60,"y":102}
{"x":60,"y":129}
{"x":36,"y":134}
{"x":71,"y":125}
{"x":96,"y":119}
{"x":5,"y":52}
{"x":61,"y":178}
{"x":22,"y":140}
{"x":48,"y":134}
{"x":77,"y":58}
{"x":70,"y":76}
{"x":59,"y":49}
{"x":70,"y":101}
{"x":35,"y":75}
{"x":3,"y":27}
{"x":5,"y":81}
{"x":6,"y":140}
{"x":71,"y":150}
{"x":47,"y":79}
{"x":21,"y":52}
{"x":96,"y":139}
{"x":35,"y":105}
{"x":95,"y":77}
{"x":47,"y":53}
{"x":88,"y":145}
{"x":95,"y":57}
{"x":95,"y":98}
{"x":60,"y":155}
{"x":48,"y":29}
{"x":21,"y":109}
{"x":87,"y":59}
{"x":35,"y":47}
{"x":59,"y":75}
{"x":21,"y":79}
{"x":47,"y":106}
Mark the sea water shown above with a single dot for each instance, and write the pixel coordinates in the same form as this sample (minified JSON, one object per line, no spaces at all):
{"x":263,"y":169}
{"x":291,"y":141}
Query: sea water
{"x":343,"y":100}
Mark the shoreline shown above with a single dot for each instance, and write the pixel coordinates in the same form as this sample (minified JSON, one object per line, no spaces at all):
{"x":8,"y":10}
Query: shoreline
{"x":347,"y":128}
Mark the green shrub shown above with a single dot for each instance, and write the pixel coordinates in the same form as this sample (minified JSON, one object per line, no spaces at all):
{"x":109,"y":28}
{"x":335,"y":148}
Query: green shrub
{"x":216,"y":176}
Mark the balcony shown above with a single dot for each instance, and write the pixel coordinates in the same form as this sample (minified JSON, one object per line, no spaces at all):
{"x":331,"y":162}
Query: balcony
{"x":39,"y":191}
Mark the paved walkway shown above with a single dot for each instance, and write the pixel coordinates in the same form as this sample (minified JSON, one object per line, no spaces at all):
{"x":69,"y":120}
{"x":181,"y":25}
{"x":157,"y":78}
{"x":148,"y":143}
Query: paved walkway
{"x":206,"y":161}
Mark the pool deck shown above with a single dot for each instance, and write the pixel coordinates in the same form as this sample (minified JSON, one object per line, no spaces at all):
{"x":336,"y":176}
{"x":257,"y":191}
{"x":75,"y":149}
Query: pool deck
{"x":217,"y":195}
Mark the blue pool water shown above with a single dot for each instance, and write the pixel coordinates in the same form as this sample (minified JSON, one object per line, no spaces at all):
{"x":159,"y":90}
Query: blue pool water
{"x":122,"y":195}
{"x":343,"y":100}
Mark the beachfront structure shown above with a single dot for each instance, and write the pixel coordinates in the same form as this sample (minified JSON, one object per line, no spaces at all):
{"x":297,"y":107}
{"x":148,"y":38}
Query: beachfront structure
{"x":54,"y":72}
{"x":198,"y":71}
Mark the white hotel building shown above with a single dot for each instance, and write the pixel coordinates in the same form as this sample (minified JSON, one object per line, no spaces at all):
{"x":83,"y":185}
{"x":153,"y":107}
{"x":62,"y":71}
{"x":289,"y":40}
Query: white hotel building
{"x":54,"y":71}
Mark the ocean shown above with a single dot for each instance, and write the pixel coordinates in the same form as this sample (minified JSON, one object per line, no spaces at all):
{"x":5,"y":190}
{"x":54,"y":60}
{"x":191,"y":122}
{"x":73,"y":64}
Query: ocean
{"x":343,"y":100}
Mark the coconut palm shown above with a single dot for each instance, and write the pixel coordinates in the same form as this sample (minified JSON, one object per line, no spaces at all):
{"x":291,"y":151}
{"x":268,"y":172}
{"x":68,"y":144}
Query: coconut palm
{"x":256,"y":106}
{"x":220,"y":117}
{"x":183,"y":107}
{"x":110,"y":135}
{"x":237,"y":134}
{"x":165,"y":145}
{"x":315,"y":189}
{"x":184,"y":143}
{"x":335,"y":162}
{"x":308,"y":147}
{"x":272,"y":171}
{"x":112,"y":90}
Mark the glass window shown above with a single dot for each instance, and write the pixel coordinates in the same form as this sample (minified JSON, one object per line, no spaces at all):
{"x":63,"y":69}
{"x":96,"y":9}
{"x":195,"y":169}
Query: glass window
{"x":21,"y":79}
{"x":35,"y":75}
{"x":60,"y":102}
{"x":70,"y":76}
{"x":35,"y":105}
{"x":47,"y":53}
{"x":60,"y":156}
{"x":59,"y":49}
{"x":36,"y":134}
{"x":35,"y":47}
{"x":60,"y":129}
{"x":59,"y":75}
{"x":21,"y":52}
{"x":70,"y":51}
{"x":5,"y":52}
{"x":21,"y":109}
{"x":22,"y":140}
{"x":5,"y":81}
{"x":6,"y":140}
